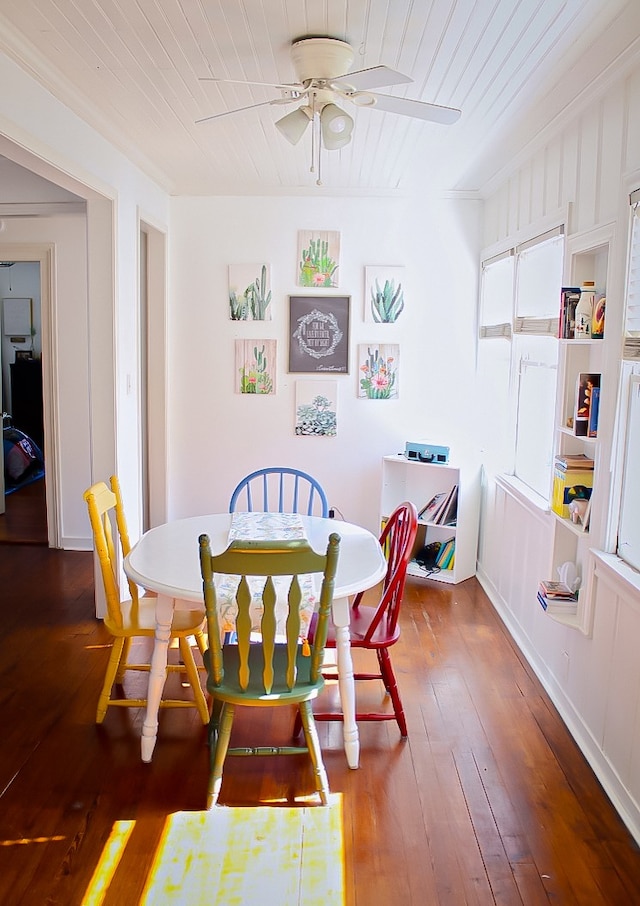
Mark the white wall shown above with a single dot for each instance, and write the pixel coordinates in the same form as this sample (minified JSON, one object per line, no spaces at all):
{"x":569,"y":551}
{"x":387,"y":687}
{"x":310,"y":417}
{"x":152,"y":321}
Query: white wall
{"x":44,"y":136}
{"x":586,"y":168}
{"x":216,"y":435}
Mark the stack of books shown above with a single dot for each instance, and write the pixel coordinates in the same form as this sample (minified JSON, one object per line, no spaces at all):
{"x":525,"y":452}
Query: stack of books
{"x":585,"y":422}
{"x":442,"y":509}
{"x":556,"y":597}
{"x":569,"y":298}
{"x":572,"y":480}
{"x":446,"y":554}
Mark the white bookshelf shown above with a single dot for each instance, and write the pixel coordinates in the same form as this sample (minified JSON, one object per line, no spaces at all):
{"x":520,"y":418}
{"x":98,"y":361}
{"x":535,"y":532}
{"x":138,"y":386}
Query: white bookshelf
{"x":418,"y":482}
{"x":587,"y":259}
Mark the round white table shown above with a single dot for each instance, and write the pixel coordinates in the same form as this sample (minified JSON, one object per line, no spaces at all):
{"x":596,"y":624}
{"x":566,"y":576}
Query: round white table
{"x":166,"y":560}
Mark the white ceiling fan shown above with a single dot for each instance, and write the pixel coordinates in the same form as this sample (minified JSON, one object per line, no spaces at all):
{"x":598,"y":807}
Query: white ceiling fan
{"x":322,"y":66}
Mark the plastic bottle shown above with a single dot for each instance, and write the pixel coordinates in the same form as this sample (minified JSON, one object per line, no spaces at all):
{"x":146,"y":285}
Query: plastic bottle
{"x":584,"y":310}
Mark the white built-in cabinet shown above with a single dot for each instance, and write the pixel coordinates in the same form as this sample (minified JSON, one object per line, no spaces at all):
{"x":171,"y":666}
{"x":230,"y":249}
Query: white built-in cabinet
{"x":587,"y":259}
{"x":418,"y":482}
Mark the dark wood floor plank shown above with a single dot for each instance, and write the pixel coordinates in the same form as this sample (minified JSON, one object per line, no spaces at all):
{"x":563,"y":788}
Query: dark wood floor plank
{"x":488,"y":801}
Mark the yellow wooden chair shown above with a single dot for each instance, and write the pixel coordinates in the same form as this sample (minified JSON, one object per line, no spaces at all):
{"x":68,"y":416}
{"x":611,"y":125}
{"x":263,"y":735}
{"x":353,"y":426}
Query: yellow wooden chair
{"x":272,"y":672}
{"x":136,"y":616}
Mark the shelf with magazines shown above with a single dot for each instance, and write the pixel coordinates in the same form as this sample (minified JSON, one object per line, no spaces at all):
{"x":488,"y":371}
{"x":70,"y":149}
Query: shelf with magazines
{"x":447,"y":499}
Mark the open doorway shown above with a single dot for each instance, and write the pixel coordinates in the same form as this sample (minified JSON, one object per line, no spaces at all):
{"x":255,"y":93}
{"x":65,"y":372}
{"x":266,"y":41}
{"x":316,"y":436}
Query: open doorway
{"x":23,"y":504}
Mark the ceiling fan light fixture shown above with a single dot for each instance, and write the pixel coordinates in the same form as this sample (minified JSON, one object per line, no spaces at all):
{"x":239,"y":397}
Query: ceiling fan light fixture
{"x":362,"y":99}
{"x":337,"y":127}
{"x":294,"y":124}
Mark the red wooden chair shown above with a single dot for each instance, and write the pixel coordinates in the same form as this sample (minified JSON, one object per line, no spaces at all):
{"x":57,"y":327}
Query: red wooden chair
{"x":377,"y":627}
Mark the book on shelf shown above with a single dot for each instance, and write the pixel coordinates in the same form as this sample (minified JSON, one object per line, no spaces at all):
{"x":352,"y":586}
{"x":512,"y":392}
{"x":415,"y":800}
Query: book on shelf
{"x":427,"y":511}
{"x":586,"y":383}
{"x":573,"y":461}
{"x":450,"y":509}
{"x":445,"y":554}
{"x":566,"y":606}
{"x":441,"y":507}
{"x":447,"y":563}
{"x":592,"y":427}
{"x":569,"y":298}
{"x":553,"y":589}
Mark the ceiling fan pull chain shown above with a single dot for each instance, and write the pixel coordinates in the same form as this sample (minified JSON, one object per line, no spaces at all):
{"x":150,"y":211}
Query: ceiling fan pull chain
{"x":319,"y":146}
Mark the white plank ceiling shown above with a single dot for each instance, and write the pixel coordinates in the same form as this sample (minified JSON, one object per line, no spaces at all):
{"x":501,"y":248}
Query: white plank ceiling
{"x":132,"y":69}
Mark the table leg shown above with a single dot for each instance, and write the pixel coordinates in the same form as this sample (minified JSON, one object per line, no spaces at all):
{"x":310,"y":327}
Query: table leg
{"x":157,"y":675}
{"x":346,"y":682}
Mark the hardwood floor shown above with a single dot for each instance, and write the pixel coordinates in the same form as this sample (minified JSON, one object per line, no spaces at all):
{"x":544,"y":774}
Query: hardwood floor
{"x":25,"y":518}
{"x":488,"y":801}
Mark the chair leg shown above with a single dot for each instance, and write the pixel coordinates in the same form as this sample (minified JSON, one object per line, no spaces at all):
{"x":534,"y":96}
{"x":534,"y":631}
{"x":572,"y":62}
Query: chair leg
{"x":313,"y":744}
{"x":112,"y":668}
{"x":194,"y":679}
{"x":219,"y":753}
{"x":389,"y":680}
{"x":124,"y":660}
{"x":201,"y":641}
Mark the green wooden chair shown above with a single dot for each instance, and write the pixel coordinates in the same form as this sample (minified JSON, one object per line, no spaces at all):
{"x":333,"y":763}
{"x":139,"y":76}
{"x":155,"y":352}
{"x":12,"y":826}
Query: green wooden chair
{"x":274,"y":671}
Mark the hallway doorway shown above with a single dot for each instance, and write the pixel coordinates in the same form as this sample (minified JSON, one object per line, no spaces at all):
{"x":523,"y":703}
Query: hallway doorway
{"x":23,"y":504}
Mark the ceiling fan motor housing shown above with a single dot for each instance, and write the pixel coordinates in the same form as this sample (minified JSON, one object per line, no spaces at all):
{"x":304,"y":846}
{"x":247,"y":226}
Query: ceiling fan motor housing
{"x":317,"y":59}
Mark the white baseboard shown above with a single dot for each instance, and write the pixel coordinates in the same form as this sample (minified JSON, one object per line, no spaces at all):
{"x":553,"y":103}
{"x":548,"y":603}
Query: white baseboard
{"x":76,"y":544}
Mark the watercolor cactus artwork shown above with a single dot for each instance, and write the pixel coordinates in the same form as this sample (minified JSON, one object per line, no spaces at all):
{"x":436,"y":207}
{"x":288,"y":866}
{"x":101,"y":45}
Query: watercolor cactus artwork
{"x":384,"y":294}
{"x":249,"y":292}
{"x":318,"y":258}
{"x":256,"y":366}
{"x":378,"y":371}
{"x":316,"y":408}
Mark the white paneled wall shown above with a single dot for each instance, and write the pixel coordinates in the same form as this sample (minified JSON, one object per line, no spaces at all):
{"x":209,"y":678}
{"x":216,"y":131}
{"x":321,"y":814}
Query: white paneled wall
{"x":585,"y":168}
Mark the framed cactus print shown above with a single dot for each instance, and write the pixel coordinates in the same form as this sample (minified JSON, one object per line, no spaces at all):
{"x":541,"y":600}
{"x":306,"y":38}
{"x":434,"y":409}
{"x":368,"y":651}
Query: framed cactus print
{"x":316,"y":410}
{"x":250,"y":292}
{"x":318,"y":258}
{"x":384,"y":294}
{"x":319,"y":334}
{"x":378,"y":371}
{"x":256,"y":366}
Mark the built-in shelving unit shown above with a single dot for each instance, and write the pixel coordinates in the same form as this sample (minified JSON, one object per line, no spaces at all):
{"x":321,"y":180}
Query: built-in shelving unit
{"x":419,"y":482}
{"x":579,"y":359}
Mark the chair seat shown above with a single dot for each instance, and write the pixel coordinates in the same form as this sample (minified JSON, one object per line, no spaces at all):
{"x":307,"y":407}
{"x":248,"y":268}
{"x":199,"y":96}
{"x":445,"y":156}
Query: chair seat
{"x":184,"y":622}
{"x":230,"y":690}
{"x":360,"y":620}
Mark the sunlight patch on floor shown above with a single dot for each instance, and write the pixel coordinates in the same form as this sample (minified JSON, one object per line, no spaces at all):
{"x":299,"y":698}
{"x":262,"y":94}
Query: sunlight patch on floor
{"x":230,"y":856}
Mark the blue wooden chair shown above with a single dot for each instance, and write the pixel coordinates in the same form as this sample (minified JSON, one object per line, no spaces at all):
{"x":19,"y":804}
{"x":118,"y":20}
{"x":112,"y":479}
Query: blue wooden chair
{"x":280,"y":490}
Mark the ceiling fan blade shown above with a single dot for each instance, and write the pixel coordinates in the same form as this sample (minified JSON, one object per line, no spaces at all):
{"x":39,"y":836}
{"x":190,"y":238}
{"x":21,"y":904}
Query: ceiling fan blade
{"x":374,"y":77}
{"x":433,"y":113}
{"x":216,"y":116}
{"x":291,"y":86}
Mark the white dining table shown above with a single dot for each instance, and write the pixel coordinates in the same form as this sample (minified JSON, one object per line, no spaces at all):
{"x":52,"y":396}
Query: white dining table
{"x":166,"y":561}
